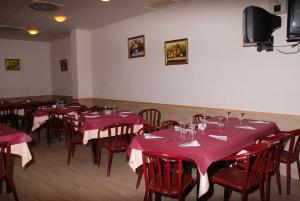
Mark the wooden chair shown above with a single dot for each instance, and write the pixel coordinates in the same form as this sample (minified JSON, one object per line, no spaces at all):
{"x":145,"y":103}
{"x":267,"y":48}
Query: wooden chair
{"x":119,"y":136}
{"x":139,"y":170}
{"x":7,"y":115}
{"x":73,"y":135}
{"x":5,"y":168}
{"x":199,"y":117}
{"x":290,"y":156}
{"x":95,"y":109}
{"x":248,"y":178}
{"x":56,"y":127}
{"x":169,"y":124}
{"x":161,"y":177}
{"x":151,"y":117}
{"x":277,"y":143}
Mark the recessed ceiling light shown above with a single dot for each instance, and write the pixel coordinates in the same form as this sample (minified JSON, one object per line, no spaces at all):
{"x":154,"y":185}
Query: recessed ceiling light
{"x":32,"y":31}
{"x":60,"y":18}
{"x":105,"y":0}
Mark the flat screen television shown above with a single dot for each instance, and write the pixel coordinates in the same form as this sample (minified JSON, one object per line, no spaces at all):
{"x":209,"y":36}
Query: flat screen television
{"x":258,"y":26}
{"x":293,"y":24}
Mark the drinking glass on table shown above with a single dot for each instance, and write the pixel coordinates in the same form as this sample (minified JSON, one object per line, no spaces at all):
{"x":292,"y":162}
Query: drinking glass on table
{"x":202,"y":125}
{"x":241,"y":118}
{"x":228,"y":116}
{"x":220,"y":123}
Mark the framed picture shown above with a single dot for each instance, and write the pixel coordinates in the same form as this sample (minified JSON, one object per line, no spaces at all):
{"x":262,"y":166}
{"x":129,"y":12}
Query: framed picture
{"x":63,"y":65}
{"x":12,"y":64}
{"x":176,"y":52}
{"x":136,"y":46}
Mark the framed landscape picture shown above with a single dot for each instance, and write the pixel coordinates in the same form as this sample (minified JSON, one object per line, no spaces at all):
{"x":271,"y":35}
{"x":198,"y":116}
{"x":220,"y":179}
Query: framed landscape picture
{"x":63,"y":65}
{"x":136,"y":46}
{"x":12,"y":64}
{"x":176,"y":52}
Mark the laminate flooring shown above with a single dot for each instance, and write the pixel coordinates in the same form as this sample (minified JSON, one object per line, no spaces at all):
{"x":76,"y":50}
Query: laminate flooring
{"x":49,"y":178}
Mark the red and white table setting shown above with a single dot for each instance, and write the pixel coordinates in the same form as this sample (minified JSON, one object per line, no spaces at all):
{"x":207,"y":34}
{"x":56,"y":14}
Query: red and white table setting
{"x":220,"y":139}
{"x":93,"y":121}
{"x":18,"y":140}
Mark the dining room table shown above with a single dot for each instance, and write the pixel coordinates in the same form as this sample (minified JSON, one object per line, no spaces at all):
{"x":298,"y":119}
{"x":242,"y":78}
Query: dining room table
{"x":221,"y":138}
{"x":92,"y":122}
{"x":18,"y":140}
{"x":40,"y":116}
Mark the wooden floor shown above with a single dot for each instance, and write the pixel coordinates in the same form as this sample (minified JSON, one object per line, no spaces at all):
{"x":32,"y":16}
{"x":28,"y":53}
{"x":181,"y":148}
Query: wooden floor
{"x":48,"y":178}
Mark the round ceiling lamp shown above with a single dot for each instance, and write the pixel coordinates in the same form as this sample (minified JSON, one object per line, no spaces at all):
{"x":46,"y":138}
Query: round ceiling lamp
{"x":60,"y":18}
{"x":32,"y":31}
{"x":105,"y":0}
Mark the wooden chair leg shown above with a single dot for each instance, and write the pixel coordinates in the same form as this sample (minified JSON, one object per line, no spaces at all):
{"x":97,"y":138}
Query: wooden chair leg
{"x":93,"y":154}
{"x":262,"y":190}
{"x":140,"y":172}
{"x":12,"y":187}
{"x":244,"y":196}
{"x":69,"y":154}
{"x":288,"y":177}
{"x":99,"y":152}
{"x":278,"y":179}
{"x":298,"y":165}
{"x":110,"y":156}
{"x":268,"y":181}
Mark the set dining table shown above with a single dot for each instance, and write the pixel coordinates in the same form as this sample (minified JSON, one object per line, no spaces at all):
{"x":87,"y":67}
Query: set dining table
{"x":18,"y":140}
{"x":203,"y":147}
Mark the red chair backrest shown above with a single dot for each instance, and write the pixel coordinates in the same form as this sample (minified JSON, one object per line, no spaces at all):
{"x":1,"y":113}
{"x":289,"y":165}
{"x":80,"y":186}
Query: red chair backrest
{"x":71,"y":126}
{"x":5,"y":149}
{"x":151,"y":116}
{"x":118,"y":133}
{"x":147,"y":129}
{"x":169,"y":124}
{"x":160,"y":169}
{"x":294,"y":146}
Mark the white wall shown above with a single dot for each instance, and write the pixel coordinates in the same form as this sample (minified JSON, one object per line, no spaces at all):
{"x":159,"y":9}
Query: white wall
{"x":221,"y":73}
{"x":34,"y":78}
{"x":61,"y":80}
{"x":81,"y":62}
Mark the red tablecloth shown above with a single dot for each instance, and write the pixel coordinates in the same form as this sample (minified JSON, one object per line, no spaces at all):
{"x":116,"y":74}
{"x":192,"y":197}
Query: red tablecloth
{"x":46,"y":111}
{"x":210,"y":149}
{"x":99,"y":121}
{"x":8,"y":134}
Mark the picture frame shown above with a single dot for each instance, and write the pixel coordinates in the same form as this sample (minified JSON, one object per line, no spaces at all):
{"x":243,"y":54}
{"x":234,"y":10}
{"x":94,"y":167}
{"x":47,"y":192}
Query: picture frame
{"x":63,"y":65}
{"x":12,"y":64}
{"x":176,"y":52}
{"x":136,"y":46}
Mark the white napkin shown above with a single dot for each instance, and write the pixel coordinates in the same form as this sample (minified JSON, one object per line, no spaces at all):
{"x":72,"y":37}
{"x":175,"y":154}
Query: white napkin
{"x":123,"y":115}
{"x":149,"y":136}
{"x":95,"y":112}
{"x":126,"y":112}
{"x":219,"y":137}
{"x":246,"y":127}
{"x":211,"y":122}
{"x":193,"y":143}
{"x":259,"y":122}
{"x":92,"y":116}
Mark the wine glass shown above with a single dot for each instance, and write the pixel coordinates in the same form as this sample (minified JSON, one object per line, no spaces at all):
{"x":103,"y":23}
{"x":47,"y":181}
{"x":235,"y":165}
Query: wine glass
{"x":228,"y":116}
{"x":242,"y":115}
{"x":220,"y":123}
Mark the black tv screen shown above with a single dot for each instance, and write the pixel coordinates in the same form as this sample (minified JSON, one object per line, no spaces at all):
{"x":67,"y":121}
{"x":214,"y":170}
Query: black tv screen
{"x":293,"y":25}
{"x":258,"y":25}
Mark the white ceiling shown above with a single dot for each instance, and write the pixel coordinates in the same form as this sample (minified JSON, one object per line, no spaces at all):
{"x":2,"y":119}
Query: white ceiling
{"x":82,"y":14}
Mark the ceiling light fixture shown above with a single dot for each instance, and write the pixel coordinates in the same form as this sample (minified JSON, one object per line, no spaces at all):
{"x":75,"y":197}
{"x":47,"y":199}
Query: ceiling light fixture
{"x":60,"y":18}
{"x":32,"y":31}
{"x":105,"y":0}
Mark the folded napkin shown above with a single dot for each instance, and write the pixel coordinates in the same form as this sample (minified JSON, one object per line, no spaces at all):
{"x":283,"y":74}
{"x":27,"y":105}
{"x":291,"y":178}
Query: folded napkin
{"x":219,"y":137}
{"x":123,"y":115}
{"x":193,"y":143}
{"x":126,"y":112}
{"x":246,"y":127}
{"x":150,"y":136}
{"x":211,"y":122}
{"x":92,"y":116}
{"x":95,"y":112}
{"x":259,"y":122}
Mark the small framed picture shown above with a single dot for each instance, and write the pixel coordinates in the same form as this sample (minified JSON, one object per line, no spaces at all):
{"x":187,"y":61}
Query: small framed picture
{"x":63,"y":65}
{"x":12,"y":64}
{"x":176,"y":52}
{"x":136,"y":46}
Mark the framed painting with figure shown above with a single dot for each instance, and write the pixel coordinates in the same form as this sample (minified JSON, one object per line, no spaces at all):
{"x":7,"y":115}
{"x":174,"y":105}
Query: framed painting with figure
{"x":176,"y":52}
{"x":63,"y":65}
{"x":136,"y":46}
{"x":12,"y":64}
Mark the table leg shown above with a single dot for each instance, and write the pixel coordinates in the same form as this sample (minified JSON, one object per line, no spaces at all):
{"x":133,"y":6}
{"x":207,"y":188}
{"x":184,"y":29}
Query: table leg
{"x":226,"y":194}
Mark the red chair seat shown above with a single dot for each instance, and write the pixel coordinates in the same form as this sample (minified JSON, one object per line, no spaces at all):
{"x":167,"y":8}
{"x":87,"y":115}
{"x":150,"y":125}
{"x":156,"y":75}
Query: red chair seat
{"x":231,"y":177}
